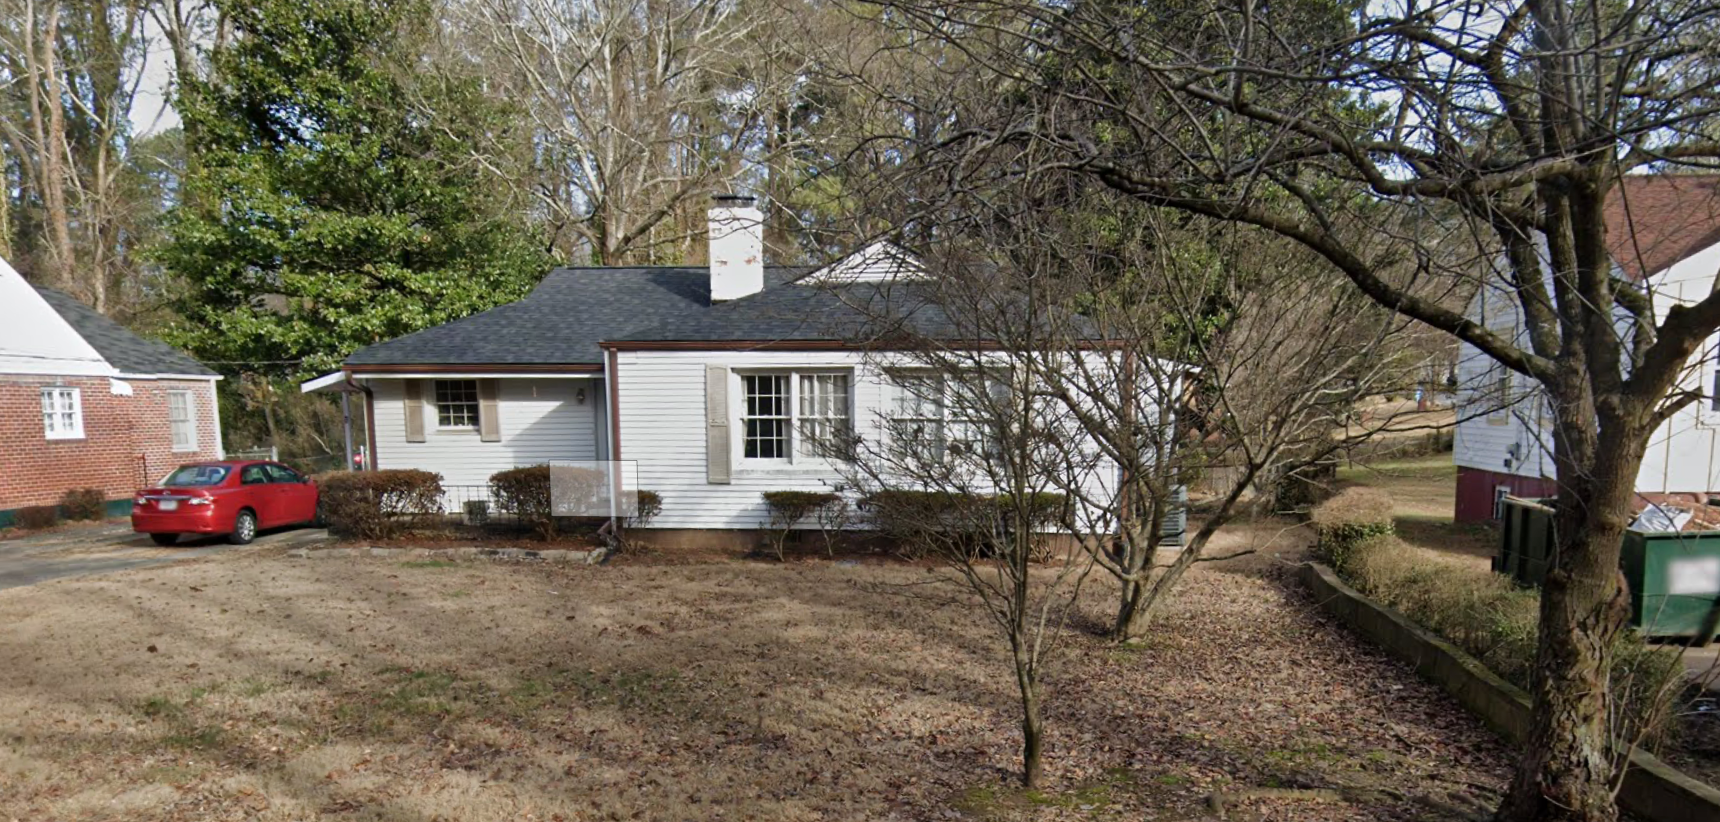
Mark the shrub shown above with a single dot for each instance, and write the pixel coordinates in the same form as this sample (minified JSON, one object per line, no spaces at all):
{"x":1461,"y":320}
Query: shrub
{"x":1494,"y":620}
{"x":788,"y":508}
{"x":537,"y":494}
{"x":36,"y":517}
{"x":1348,"y":520}
{"x":650,"y":504}
{"x":378,"y":504}
{"x":525,"y":493}
{"x":963,"y":525}
{"x":84,"y":503}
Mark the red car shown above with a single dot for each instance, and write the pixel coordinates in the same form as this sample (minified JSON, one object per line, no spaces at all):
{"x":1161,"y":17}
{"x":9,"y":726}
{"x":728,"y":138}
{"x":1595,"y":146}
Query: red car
{"x":234,"y":497}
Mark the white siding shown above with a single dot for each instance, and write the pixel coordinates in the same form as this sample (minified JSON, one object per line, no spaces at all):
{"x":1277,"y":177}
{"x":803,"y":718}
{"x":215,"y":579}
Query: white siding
{"x":662,"y":411}
{"x":1682,"y":456}
{"x":541,"y":420}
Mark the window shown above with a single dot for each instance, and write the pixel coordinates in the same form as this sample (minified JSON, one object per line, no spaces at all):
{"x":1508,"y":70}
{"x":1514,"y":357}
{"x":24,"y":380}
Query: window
{"x":193,"y":476}
{"x":281,"y":473}
{"x":181,"y":420}
{"x":456,"y":403}
{"x":917,"y":418}
{"x":931,"y":415}
{"x":764,"y":434}
{"x":253,"y":475}
{"x":796,"y":415}
{"x":1500,"y":492}
{"x":823,"y":419}
{"x":1498,"y":398}
{"x":62,"y":414}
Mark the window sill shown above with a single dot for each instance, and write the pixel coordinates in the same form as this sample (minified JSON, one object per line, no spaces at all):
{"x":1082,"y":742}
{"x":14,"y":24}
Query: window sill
{"x":791,"y":470}
{"x":66,"y":438}
{"x":186,"y":449}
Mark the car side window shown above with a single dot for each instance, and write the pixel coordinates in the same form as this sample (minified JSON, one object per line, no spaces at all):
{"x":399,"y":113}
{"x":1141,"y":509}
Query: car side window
{"x":253,"y":475}
{"x":281,"y":473}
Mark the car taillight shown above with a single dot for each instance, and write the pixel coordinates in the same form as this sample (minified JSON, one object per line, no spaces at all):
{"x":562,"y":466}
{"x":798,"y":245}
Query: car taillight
{"x":140,"y":502}
{"x":200,"y":501}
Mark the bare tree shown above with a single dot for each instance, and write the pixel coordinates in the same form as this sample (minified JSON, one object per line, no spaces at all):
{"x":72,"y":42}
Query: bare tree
{"x":1499,"y":127}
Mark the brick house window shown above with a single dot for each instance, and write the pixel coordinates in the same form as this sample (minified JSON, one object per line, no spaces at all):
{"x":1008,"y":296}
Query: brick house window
{"x":62,"y":414}
{"x":456,"y":403}
{"x":182,"y":418}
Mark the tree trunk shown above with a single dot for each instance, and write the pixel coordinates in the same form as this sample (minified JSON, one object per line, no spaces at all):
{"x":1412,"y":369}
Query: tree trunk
{"x":1566,"y":773}
{"x":1032,"y":737}
{"x":1131,"y":625}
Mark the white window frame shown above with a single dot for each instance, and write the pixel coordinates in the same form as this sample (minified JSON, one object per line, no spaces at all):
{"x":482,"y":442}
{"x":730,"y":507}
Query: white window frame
{"x":1498,"y":396}
{"x":190,"y":421}
{"x":953,"y":427}
{"x":794,"y":416}
{"x":436,"y":403}
{"x":59,"y":401}
{"x":1500,"y":492}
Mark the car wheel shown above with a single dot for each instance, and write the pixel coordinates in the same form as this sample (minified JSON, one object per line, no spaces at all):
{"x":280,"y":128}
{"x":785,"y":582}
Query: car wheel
{"x":163,"y":539}
{"x":320,"y":520}
{"x":244,"y":528}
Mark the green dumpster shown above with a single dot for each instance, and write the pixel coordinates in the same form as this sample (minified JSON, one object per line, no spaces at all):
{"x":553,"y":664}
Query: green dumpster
{"x":1673,"y":577}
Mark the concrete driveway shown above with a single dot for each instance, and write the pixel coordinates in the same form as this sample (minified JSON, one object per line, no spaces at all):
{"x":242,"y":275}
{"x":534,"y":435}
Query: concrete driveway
{"x":109,"y":547}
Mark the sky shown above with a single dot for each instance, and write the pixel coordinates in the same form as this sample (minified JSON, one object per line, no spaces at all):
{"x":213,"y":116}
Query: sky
{"x":150,"y":110}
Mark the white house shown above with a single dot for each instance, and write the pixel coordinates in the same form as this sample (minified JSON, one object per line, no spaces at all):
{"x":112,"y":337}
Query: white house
{"x":711,"y":381}
{"x":1664,"y":234}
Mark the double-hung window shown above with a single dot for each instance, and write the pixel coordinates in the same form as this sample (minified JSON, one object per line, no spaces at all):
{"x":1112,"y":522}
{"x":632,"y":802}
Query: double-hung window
{"x":456,"y":403}
{"x":62,"y":413}
{"x":789,"y":416}
{"x":182,"y":420}
{"x":917,"y":416}
{"x":931,"y":415}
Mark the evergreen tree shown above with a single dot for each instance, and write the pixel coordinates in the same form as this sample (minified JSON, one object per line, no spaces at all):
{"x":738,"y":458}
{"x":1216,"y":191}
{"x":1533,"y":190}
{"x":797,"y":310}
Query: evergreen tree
{"x":335,"y":194}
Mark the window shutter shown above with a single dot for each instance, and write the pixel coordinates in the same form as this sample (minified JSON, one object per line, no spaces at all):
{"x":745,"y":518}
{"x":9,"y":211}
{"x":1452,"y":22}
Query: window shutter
{"x":717,"y":425}
{"x":414,"y":411}
{"x":489,"y":416}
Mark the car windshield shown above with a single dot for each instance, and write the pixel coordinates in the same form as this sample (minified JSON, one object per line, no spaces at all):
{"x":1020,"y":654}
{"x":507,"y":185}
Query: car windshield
{"x":189,"y":476}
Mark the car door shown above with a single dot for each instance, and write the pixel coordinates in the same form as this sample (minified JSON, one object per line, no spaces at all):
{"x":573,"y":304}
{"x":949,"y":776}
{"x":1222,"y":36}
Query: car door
{"x":297,"y":497}
{"x":260,"y":493}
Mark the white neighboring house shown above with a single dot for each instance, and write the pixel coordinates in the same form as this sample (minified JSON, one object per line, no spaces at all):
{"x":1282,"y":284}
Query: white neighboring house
{"x":703,"y":378}
{"x":1664,"y":234}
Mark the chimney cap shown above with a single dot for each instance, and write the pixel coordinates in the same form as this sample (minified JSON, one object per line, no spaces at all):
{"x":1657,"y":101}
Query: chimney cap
{"x":733,"y":199}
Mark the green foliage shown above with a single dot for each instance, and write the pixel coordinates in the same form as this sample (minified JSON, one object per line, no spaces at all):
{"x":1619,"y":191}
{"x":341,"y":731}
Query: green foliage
{"x":84,"y":504}
{"x":333,"y":196}
{"x":36,"y":517}
{"x":1349,"y":520}
{"x":963,"y":525}
{"x":378,"y":504}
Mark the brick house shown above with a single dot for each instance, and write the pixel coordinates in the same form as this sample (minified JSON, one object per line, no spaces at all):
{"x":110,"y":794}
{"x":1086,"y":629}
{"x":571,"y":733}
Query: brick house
{"x":85,"y":403}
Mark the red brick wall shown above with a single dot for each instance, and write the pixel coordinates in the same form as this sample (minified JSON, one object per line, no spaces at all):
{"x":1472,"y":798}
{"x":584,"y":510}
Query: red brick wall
{"x":127,"y":443}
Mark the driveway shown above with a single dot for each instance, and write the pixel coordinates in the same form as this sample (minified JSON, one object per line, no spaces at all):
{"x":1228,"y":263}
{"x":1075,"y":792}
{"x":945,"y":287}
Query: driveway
{"x":109,"y":547}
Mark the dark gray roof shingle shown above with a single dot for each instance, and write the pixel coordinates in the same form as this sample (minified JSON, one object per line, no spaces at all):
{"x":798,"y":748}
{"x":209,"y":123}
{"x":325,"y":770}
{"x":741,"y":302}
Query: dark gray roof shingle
{"x":122,"y":349}
{"x":562,"y":320}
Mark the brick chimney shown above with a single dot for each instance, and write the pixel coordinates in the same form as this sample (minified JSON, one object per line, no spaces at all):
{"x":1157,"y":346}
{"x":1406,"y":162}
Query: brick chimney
{"x":737,"y":247}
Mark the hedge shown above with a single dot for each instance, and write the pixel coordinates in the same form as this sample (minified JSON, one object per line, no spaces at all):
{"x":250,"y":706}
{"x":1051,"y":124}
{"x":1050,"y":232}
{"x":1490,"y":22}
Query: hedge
{"x":1346,"y":521}
{"x":84,"y":503}
{"x":378,"y":504}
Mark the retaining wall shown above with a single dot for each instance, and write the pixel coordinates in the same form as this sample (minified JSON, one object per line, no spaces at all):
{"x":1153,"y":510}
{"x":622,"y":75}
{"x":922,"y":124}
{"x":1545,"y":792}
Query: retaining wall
{"x":1652,"y":789}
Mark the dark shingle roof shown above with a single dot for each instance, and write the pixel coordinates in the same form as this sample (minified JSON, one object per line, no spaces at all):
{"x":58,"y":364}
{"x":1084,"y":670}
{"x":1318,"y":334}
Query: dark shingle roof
{"x":562,"y":320}
{"x":854,"y":312}
{"x":122,"y":349}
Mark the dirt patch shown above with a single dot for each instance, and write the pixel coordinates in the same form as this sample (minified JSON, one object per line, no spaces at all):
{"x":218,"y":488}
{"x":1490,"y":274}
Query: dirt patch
{"x":366,"y":689}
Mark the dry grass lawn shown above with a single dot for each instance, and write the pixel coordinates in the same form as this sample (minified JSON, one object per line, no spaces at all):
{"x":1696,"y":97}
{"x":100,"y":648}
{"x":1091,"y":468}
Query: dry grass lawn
{"x":369,"y":689}
{"x":1424,"y":491}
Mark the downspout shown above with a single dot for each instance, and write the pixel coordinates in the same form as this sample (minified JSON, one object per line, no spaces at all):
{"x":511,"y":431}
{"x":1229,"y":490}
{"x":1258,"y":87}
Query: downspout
{"x":369,"y":426}
{"x":613,"y":422}
{"x":346,"y":420}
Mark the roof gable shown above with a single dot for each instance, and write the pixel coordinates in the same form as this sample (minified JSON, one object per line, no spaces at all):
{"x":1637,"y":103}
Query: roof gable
{"x":36,"y":339}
